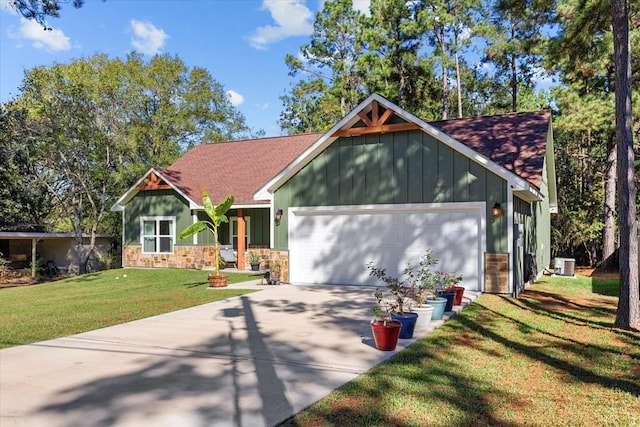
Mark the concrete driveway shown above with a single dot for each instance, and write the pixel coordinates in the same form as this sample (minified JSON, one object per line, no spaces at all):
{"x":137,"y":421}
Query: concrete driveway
{"x":253,"y":360}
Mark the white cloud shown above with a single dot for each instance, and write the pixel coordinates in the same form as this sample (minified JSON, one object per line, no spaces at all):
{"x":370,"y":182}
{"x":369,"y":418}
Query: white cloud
{"x":235,"y":98}
{"x":363,"y":6}
{"x":541,"y":78}
{"x":51,"y":40}
{"x":292,"y":18}
{"x":147,"y":38}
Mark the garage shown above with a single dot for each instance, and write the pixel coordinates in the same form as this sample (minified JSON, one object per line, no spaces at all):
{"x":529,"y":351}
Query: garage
{"x":333,"y":245}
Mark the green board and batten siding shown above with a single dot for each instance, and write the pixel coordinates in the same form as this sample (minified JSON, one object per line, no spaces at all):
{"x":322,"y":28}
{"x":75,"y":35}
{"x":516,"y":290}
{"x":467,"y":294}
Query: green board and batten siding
{"x":393,"y":168}
{"x":155,"y":203}
{"x":169,"y":203}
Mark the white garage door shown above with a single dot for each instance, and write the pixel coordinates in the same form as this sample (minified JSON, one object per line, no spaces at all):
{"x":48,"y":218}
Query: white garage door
{"x":334,"y":245}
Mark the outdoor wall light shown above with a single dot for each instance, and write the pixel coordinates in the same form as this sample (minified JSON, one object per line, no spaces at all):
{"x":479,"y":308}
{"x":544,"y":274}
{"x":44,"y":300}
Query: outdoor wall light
{"x":496,"y":210}
{"x":278,"y":216}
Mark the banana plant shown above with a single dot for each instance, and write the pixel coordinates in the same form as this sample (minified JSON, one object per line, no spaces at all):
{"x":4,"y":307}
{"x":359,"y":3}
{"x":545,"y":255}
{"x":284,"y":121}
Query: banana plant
{"x":217,"y":216}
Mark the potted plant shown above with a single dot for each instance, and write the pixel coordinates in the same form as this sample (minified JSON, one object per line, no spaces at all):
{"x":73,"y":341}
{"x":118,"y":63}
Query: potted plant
{"x":447,"y":288}
{"x":385,"y":330}
{"x":423,"y":283}
{"x":398,"y":303}
{"x":254,"y":260}
{"x":216,"y":214}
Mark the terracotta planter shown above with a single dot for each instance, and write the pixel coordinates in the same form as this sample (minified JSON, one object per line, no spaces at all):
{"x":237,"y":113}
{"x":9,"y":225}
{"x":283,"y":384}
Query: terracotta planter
{"x":425,"y":312}
{"x":459,"y":292}
{"x":386,"y":334}
{"x":217,"y":281}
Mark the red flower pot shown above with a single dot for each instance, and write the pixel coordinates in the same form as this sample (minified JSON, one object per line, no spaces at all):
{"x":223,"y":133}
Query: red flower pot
{"x":385,"y":334}
{"x":458,"y":298}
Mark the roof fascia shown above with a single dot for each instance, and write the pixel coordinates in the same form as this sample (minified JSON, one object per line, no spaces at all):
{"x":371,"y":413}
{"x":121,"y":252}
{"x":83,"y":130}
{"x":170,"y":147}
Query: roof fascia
{"x":118,"y":206}
{"x":551,"y":171}
{"x":35,"y":235}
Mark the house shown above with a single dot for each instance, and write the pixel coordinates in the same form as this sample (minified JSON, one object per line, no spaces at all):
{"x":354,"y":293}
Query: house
{"x":63,"y":249}
{"x":381,"y":186}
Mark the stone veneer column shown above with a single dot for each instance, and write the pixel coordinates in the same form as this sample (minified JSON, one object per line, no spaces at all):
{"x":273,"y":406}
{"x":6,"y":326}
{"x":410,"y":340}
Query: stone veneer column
{"x":496,"y":273}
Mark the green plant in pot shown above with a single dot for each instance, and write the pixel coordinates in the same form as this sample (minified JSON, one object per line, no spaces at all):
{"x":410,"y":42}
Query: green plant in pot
{"x":425,"y":283}
{"x":396,"y":299}
{"x":447,"y":288}
{"x":423,"y":288}
{"x":254,"y":260}
{"x":217,"y":216}
{"x":451,"y":284}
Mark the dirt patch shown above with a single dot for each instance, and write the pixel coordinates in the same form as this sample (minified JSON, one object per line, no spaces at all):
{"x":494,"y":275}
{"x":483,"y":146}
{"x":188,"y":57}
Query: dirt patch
{"x":596,"y":272}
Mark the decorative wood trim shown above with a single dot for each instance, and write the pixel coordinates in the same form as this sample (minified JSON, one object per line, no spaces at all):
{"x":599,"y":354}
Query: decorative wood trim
{"x":376,"y":129}
{"x":153,"y":182}
{"x":376,"y":124}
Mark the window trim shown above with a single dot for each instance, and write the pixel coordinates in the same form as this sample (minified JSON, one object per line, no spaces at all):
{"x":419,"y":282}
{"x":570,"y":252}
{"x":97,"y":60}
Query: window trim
{"x":157,"y":220}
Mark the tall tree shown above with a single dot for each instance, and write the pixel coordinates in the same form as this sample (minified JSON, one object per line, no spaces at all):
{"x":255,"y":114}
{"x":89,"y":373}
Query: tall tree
{"x":97,"y":123}
{"x":628,"y":314}
{"x":450,"y":24}
{"x":24,"y":201}
{"x":582,"y":55}
{"x":392,"y":38}
{"x":329,"y":63}
{"x":515,"y":39}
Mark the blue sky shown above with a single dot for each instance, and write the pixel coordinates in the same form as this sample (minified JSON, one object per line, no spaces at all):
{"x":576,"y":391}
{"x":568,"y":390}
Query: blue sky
{"x":242,"y":43}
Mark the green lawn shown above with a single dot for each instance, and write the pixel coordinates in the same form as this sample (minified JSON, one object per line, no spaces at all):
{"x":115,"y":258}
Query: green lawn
{"x":35,"y":313}
{"x":549,"y":358}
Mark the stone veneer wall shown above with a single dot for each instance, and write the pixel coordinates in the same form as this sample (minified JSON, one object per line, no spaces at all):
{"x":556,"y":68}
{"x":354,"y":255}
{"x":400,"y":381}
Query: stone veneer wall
{"x":200,"y":257}
{"x":496,"y":271}
{"x":282,"y":258}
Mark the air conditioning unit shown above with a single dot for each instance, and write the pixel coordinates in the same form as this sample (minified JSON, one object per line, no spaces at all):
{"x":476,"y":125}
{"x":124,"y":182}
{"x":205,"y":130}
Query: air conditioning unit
{"x":565,"y":266}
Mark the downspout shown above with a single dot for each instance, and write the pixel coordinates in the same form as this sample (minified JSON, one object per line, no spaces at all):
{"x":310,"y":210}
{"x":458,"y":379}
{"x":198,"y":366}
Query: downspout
{"x":509,"y":220}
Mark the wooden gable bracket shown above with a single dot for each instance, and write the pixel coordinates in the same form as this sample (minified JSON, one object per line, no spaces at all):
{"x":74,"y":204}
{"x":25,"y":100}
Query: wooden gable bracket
{"x":377,"y":123}
{"x":153,"y":182}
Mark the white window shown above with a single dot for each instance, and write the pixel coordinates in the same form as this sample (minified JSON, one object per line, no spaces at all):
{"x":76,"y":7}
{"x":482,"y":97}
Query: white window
{"x":157,"y":234}
{"x":233,"y":232}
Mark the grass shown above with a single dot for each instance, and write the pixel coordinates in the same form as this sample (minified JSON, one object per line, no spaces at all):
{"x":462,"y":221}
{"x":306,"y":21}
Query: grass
{"x":36,"y":313}
{"x":550,"y":357}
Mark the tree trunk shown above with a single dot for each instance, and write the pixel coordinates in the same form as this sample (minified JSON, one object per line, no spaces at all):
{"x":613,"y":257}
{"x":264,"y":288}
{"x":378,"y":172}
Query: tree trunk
{"x":458,"y":84}
{"x":628,"y":313}
{"x":609,"y":231}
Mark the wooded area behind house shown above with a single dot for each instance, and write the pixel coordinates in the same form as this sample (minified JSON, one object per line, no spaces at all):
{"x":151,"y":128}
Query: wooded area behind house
{"x":77,"y":135}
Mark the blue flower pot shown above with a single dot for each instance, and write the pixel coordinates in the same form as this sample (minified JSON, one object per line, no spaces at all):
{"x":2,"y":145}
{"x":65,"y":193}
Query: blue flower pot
{"x":408,"y":321}
{"x":450,"y":296}
{"x":439,"y":304}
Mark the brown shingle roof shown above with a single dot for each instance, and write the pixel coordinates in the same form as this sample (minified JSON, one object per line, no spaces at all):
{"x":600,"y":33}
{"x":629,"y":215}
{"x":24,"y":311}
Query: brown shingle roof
{"x":515,"y":141}
{"x":236,"y":167}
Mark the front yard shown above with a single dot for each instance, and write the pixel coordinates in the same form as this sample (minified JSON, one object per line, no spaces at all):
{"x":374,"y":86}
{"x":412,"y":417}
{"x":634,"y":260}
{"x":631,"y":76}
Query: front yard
{"x":35,"y":313}
{"x":548,"y":358}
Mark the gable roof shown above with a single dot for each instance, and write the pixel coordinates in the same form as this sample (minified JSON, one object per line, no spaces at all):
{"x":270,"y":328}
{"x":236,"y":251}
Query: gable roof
{"x":237,"y":167}
{"x":511,"y":145}
{"x":515,"y":141}
{"x":524,"y":151}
